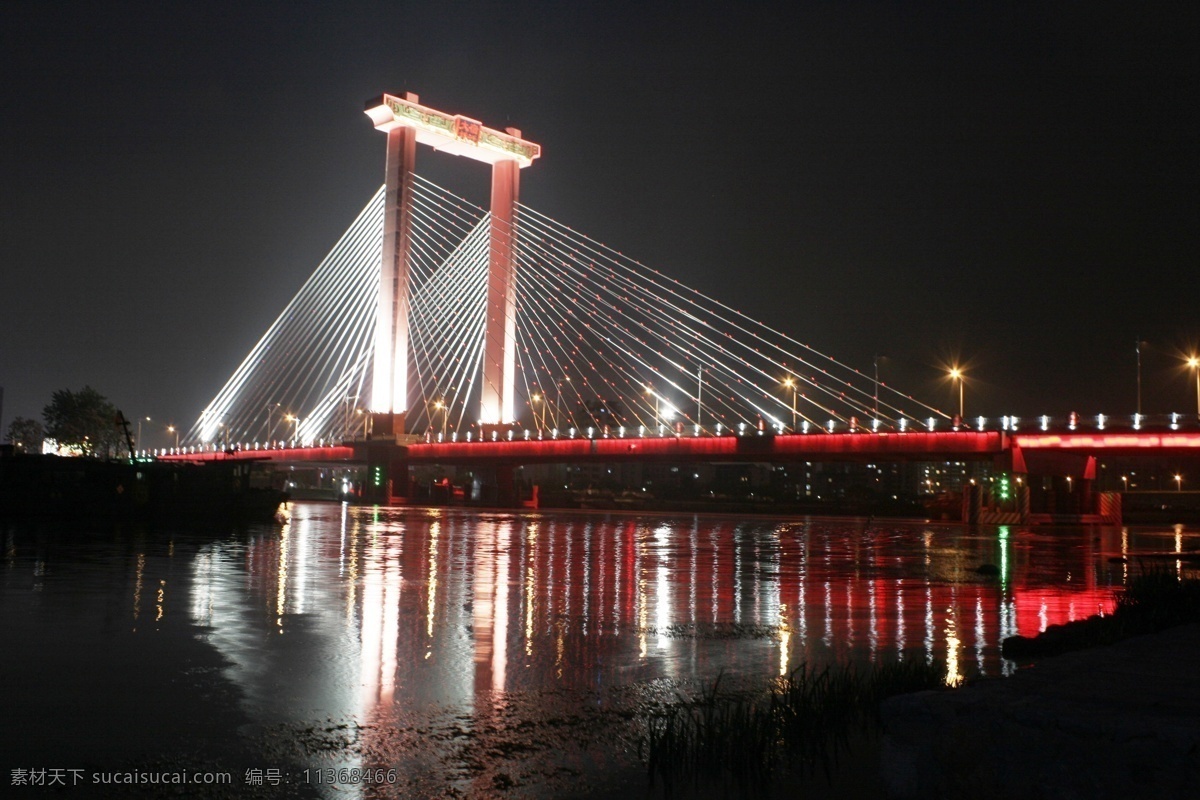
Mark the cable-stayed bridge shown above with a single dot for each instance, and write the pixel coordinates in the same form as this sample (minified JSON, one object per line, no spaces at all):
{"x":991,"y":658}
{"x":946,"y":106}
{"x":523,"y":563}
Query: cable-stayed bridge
{"x":580,"y":336}
{"x":438,"y":331}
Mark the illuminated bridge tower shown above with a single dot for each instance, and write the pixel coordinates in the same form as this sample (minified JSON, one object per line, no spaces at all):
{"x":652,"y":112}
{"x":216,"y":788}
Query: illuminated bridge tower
{"x":406,"y":124}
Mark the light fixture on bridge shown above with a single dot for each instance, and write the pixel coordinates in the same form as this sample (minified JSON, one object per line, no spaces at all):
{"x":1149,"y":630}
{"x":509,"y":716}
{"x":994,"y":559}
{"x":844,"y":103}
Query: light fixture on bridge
{"x":1174,"y":421}
{"x":1137,"y":422}
{"x":1100,"y":420}
{"x":1045,"y":422}
{"x":903,"y":424}
{"x":931,"y":423}
{"x":980,"y":422}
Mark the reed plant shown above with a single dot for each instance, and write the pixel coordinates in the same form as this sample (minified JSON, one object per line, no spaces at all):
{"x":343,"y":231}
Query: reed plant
{"x":802,"y":723}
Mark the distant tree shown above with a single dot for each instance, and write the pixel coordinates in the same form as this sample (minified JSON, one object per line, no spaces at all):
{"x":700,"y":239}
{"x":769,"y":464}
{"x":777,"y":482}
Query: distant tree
{"x":84,"y":419}
{"x":26,"y":434}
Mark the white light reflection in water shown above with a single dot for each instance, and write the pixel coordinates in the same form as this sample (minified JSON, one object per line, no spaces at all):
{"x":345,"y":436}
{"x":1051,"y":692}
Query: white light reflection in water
{"x":1178,"y":549}
{"x":370,"y":648}
{"x":281,"y":575}
{"x":662,"y":601}
{"x":980,"y":637}
{"x":785,"y":639}
{"x":531,"y":578}
{"x":431,"y":582}
{"x":137,"y":586}
{"x":953,"y":676}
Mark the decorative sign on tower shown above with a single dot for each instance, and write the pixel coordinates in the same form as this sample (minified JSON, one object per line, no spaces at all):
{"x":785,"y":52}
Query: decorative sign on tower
{"x":407,"y":123}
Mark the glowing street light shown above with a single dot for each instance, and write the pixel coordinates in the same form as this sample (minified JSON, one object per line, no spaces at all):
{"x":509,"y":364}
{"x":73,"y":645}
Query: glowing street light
{"x":441,"y":406}
{"x":956,"y":375}
{"x":174,"y":430}
{"x":1194,"y":363}
{"x":790,"y":382}
{"x":534,"y":399}
{"x":292,"y":418}
{"x":1178,"y":482}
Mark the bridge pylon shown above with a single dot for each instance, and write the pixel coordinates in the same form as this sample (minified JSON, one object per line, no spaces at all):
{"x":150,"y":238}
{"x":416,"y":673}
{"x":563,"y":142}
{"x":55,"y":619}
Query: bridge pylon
{"x":408,"y":123}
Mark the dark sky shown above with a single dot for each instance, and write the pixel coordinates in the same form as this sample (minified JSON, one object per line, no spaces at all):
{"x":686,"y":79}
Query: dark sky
{"x":1015,"y":185}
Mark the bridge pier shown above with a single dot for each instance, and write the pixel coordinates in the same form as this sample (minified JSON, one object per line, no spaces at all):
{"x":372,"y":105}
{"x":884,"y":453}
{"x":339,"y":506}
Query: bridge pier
{"x":389,"y":479}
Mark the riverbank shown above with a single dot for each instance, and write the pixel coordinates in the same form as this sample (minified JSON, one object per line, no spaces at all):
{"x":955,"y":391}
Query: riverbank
{"x":1121,"y":721}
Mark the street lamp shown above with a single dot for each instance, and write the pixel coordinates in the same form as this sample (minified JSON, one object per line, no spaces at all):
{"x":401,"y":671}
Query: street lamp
{"x":1178,"y":482}
{"x":876,"y":388}
{"x":174,"y":430}
{"x":139,"y":439}
{"x":270,"y":410}
{"x":534,"y":399}
{"x":296,"y":421}
{"x":650,"y":392}
{"x":791,"y":384}
{"x":441,"y":406}
{"x":346,"y":417}
{"x":1194,"y":363}
{"x":956,"y":375}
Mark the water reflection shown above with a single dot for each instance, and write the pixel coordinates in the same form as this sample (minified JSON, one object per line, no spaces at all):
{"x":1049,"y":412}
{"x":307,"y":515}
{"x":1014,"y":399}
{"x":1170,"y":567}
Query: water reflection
{"x":375,"y":615}
{"x":432,"y":606}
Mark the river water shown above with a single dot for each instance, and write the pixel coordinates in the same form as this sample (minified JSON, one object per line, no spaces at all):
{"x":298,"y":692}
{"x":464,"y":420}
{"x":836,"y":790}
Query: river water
{"x":457,"y":653}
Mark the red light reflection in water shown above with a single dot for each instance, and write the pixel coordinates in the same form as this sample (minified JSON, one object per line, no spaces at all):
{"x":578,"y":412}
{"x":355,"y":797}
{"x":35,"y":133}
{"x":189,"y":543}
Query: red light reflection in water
{"x":438,"y":608}
{"x":588,"y":601}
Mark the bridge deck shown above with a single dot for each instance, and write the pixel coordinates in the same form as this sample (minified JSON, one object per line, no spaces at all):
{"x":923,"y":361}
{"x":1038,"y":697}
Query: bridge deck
{"x":863,"y":447}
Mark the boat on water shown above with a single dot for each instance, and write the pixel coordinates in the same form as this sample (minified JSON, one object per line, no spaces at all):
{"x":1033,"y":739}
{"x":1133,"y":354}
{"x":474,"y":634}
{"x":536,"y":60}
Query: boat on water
{"x":57,"y":486}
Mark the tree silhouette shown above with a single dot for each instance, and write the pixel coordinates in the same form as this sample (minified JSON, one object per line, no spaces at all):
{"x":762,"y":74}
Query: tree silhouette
{"x":26,"y":434}
{"x":85,"y":420}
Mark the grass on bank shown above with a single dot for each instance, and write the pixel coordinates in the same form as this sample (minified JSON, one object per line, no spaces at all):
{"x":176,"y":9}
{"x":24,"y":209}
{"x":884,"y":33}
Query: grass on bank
{"x":802,"y":723}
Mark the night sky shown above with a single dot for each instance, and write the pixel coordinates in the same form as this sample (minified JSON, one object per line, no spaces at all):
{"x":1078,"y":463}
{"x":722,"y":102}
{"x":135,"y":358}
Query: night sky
{"x":1015,"y":186}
